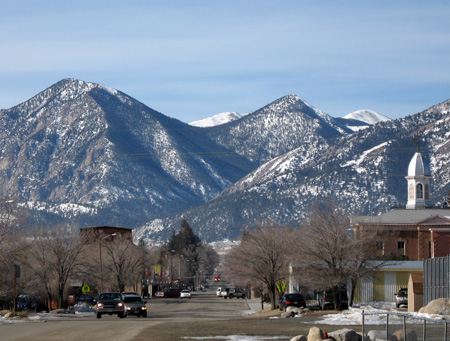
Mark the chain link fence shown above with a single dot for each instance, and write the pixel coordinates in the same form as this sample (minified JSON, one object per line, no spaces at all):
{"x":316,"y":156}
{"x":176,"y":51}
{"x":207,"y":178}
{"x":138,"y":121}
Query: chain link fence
{"x":404,"y":327}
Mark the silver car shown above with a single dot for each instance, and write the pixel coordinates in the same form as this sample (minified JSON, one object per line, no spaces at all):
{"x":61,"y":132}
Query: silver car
{"x":134,"y":305}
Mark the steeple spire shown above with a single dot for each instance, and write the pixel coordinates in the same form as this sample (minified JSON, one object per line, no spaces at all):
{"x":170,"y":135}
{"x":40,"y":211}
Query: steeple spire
{"x":419,"y":178}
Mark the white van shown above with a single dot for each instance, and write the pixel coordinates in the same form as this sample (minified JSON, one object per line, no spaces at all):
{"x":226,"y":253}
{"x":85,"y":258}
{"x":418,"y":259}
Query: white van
{"x":219,"y":291}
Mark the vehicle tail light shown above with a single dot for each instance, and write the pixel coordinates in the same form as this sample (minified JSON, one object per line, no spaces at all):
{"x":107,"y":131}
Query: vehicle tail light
{"x":288,"y":302}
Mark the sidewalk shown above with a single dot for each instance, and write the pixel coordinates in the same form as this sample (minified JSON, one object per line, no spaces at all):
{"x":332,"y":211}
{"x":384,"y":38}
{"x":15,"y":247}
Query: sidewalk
{"x":254,"y":305}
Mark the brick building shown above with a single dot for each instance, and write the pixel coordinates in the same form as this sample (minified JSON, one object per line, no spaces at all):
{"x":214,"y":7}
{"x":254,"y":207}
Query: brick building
{"x":418,"y":231}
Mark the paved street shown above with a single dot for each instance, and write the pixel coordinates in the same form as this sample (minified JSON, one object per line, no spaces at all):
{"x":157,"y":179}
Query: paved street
{"x":203,"y":306}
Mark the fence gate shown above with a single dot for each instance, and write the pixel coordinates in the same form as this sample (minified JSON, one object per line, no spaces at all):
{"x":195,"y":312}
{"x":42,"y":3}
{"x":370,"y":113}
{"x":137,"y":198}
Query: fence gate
{"x":436,"y":278}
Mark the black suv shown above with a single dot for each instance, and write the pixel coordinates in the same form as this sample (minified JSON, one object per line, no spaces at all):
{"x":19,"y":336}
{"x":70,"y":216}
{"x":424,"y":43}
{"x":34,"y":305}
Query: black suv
{"x":110,"y":303}
{"x":326,"y":299}
{"x":292,"y":300}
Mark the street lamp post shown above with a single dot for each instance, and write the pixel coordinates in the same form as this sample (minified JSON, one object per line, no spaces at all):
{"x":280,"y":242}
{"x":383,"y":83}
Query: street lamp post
{"x":100,"y":258}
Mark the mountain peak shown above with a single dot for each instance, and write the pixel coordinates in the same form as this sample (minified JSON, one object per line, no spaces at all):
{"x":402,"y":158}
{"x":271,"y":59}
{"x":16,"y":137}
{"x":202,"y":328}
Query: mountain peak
{"x":218,"y":119}
{"x":367,"y":116}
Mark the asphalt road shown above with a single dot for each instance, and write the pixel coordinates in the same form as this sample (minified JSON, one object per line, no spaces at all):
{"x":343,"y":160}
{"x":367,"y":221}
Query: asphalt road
{"x":205,"y":316}
{"x":204,"y":306}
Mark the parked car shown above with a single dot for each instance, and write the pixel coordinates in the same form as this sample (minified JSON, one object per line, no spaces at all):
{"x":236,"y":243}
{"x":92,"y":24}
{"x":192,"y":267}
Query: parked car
{"x":292,"y":300}
{"x":110,"y":303}
{"x":134,"y":293}
{"x":185,"y":294}
{"x":87,"y":299}
{"x":25,"y":302}
{"x":232,"y":292}
{"x":168,"y":293}
{"x":401,"y":297}
{"x":218,"y":291}
{"x":326,"y":299}
{"x":134,"y":305}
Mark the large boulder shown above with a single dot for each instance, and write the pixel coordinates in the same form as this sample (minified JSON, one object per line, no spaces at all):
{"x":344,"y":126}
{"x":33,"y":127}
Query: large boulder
{"x":293,"y":310}
{"x":440,"y":306}
{"x":411,"y":336}
{"x":299,"y":338}
{"x":287,"y":314}
{"x":345,"y":335}
{"x":315,"y":334}
{"x":380,"y":335}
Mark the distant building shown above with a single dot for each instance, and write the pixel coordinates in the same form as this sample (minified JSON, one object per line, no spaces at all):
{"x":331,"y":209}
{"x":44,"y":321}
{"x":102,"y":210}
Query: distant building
{"x":416,"y":232}
{"x":106,"y":233}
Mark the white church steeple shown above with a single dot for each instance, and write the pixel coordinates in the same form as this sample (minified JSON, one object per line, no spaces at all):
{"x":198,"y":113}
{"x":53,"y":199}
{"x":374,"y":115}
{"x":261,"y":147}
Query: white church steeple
{"x":419,"y":178}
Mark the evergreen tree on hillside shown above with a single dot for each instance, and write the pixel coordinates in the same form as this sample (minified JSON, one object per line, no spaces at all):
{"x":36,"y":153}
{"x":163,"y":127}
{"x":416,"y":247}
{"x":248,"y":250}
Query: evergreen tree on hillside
{"x":184,"y":240}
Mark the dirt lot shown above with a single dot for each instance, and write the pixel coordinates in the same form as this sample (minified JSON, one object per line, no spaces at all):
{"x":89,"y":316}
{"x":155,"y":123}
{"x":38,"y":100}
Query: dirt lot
{"x":260,"y":324}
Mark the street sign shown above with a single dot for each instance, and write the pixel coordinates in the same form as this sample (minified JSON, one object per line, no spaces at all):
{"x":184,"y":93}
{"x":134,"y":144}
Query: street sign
{"x":85,"y":288}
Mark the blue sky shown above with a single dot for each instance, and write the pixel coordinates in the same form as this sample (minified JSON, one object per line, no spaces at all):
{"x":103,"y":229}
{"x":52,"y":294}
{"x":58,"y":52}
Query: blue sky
{"x":193,"y":59}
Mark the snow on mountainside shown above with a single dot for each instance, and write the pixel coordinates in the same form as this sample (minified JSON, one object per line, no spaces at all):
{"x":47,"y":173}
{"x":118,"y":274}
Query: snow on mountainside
{"x":216,"y":120}
{"x":365,"y":171}
{"x":362,"y":119}
{"x":283,"y":125}
{"x":90,"y":153}
{"x":367,"y":116}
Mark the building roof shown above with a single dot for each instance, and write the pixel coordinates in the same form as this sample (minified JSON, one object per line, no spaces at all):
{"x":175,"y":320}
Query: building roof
{"x":401,"y":216}
{"x":399,"y":264}
{"x":417,"y":167}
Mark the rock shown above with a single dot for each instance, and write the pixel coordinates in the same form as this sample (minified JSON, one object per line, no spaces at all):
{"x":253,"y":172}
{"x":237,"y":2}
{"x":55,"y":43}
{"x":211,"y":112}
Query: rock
{"x":299,"y":338}
{"x":315,"y":334}
{"x":293,"y":310}
{"x":440,"y":306}
{"x":380,"y":335}
{"x":411,"y":336}
{"x":8,"y":315}
{"x":286,"y":314}
{"x":345,"y":335}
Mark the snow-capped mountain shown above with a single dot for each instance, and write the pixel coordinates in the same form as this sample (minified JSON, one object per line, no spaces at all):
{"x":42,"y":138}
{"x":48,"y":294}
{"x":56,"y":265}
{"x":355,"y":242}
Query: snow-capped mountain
{"x":367,"y":116}
{"x":362,"y":119}
{"x":217,"y":120}
{"x":92,"y":154}
{"x":285,"y":124}
{"x":87,"y":154}
{"x":364,"y":171}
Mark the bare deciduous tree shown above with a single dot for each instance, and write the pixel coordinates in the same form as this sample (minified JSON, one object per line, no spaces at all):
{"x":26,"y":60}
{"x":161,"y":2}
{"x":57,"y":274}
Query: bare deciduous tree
{"x":123,"y":262}
{"x":54,"y":257}
{"x":262,"y":257}
{"x":329,"y":254}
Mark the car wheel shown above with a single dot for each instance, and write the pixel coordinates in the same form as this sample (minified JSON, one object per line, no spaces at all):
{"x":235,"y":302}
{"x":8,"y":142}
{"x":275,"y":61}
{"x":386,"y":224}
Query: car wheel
{"x":144,"y":315}
{"x":243,"y":297}
{"x":99,"y":316}
{"x":231,"y":296}
{"x":122,"y":315}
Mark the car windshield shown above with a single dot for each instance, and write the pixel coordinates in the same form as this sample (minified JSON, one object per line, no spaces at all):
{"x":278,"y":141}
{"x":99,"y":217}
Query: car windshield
{"x":132,"y":299}
{"x":111,"y":296}
{"x":185,"y":291}
{"x":403,"y":292}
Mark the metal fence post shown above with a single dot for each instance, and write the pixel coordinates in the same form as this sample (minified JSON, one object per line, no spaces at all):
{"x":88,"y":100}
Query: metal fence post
{"x":362,"y":320}
{"x":387,"y":326}
{"x":424,"y":330}
{"x":445,"y":332}
{"x":404,"y":328}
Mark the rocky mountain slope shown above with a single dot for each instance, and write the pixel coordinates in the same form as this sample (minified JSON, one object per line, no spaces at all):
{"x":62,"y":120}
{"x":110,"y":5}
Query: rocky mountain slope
{"x":277,"y":128}
{"x":365,"y":171}
{"x":90,"y":154}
